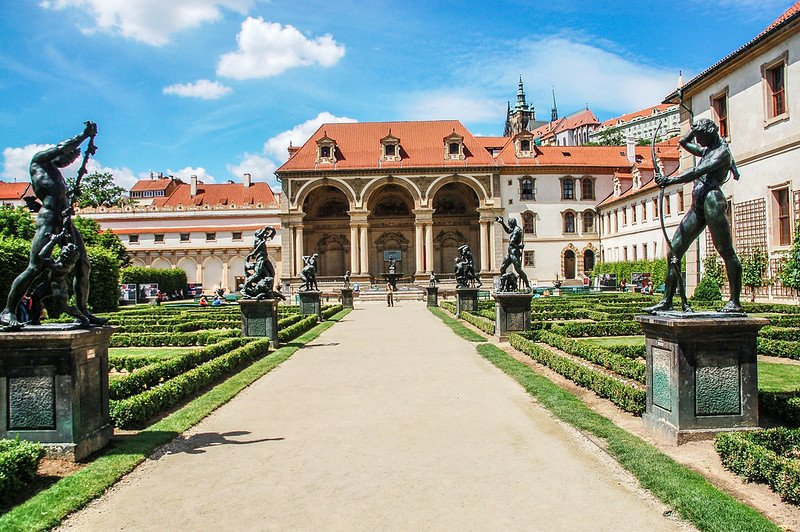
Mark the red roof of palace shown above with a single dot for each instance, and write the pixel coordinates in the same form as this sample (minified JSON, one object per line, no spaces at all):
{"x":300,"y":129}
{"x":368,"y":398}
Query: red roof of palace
{"x":358,"y":146}
{"x":580,"y":118}
{"x":630,"y":116}
{"x":187,"y":229}
{"x":602,"y":156}
{"x":219,"y":194}
{"x":9,"y":191}
{"x":153,"y":184}
{"x":493,"y":142}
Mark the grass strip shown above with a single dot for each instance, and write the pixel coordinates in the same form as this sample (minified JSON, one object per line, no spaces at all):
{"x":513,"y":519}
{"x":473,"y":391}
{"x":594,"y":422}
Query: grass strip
{"x":46,"y":509}
{"x":695,"y":499}
{"x":465,"y":333}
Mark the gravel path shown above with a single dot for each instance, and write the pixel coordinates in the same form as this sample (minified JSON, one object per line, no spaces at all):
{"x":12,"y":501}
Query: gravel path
{"x":387,"y":421}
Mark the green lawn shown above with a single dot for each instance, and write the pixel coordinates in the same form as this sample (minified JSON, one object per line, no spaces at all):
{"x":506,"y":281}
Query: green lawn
{"x":610,"y":341}
{"x":778,"y":377}
{"x":160,"y":352}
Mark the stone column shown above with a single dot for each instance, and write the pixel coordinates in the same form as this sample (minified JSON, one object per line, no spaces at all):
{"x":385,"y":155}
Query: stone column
{"x":428,"y":248}
{"x":364,"y":251}
{"x":484,"y":244}
{"x":354,"y":250}
{"x":298,"y":249}
{"x":493,"y":240}
{"x":224,"y":283}
{"x":418,"y":247}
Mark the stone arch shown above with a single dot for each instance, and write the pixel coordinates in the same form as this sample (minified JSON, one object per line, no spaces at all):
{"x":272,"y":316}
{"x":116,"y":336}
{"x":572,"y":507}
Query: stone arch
{"x":569,"y":219}
{"x":447,"y":244}
{"x":235,"y":269}
{"x":333,"y":255}
{"x":588,"y":259}
{"x":472,"y":183}
{"x":212,"y":273}
{"x":377,"y":184}
{"x":569,"y":261}
{"x":189,"y":265}
{"x":313,"y":184}
{"x":137,"y":262}
{"x":161,"y":263}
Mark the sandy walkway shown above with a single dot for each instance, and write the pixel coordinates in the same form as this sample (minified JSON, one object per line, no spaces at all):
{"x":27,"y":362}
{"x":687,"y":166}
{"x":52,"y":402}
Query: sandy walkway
{"x":387,"y":421}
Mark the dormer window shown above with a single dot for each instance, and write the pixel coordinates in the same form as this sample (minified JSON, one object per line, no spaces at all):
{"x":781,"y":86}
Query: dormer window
{"x":524,"y":144}
{"x":454,"y":147}
{"x":390,"y":148}
{"x":326,"y":150}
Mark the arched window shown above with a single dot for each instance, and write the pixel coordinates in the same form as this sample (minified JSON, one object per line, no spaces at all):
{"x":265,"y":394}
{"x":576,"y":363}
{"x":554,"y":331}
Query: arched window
{"x":526,"y":191}
{"x":569,"y":222}
{"x":568,"y":188}
{"x":588,"y":261}
{"x":587,"y":188}
{"x":528,"y":223}
{"x":588,"y":222}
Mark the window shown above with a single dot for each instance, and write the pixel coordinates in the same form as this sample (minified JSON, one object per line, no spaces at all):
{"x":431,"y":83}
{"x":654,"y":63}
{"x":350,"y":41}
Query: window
{"x":211,"y":237}
{"x":625,"y":253}
{"x":587,"y":189}
{"x":569,"y":222}
{"x":624,"y":216}
{"x":667,"y":206}
{"x":680,"y":201}
{"x":634,"y":250}
{"x":525,"y":145}
{"x":528,"y":223}
{"x":325,"y":152}
{"x":237,"y":236}
{"x":184,"y":237}
{"x":775,"y":77}
{"x":588,"y":222}
{"x":633,"y":214}
{"x":719,"y":104}
{"x":655,"y":208}
{"x":391,"y":149}
{"x":529,"y":258}
{"x":644,"y":251}
{"x":568,"y":188}
{"x":526,"y":190}
{"x":159,"y":239}
{"x":133,"y":239}
{"x":783,"y":225}
{"x":453,"y":148}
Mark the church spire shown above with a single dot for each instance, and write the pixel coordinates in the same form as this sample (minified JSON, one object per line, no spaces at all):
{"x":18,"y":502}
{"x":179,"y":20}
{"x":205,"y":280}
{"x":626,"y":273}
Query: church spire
{"x":522,"y":105}
{"x":554,"y":111}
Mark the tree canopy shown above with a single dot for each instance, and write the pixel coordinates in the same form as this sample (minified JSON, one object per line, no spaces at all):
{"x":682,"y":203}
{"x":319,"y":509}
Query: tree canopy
{"x":98,"y":188}
{"x":16,"y":223}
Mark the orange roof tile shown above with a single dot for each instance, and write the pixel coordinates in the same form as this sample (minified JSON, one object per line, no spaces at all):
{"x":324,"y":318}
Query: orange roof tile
{"x":192,"y":229}
{"x":358,"y":146}
{"x":580,"y":118}
{"x":601,"y":156}
{"x":13,"y":191}
{"x":492,"y":142}
{"x":611,"y":122}
{"x":219,"y":194}
{"x":153,"y":184}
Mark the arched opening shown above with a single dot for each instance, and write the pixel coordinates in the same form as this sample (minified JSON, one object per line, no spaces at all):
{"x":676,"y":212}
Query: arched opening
{"x":212,"y":273}
{"x":190,"y":267}
{"x":161,"y":263}
{"x":569,"y":264}
{"x":588,"y":261}
{"x":326,"y":229}
{"x":236,"y":273}
{"x":391,"y":230}
{"x":455,"y":222}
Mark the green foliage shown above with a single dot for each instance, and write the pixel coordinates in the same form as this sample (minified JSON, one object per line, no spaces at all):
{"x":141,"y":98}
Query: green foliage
{"x":176,"y":339}
{"x":103,"y":279}
{"x":480,"y":321}
{"x":98,"y":188}
{"x":607,"y":328}
{"x":168,"y":280}
{"x":626,"y":367}
{"x":783,"y":406}
{"x":754,"y":267}
{"x":707,"y":290}
{"x":713,"y":269}
{"x":327,"y":312}
{"x":791,"y":334}
{"x":609,"y":137}
{"x":778,"y":348}
{"x":16,"y":223}
{"x":18,"y":463}
{"x":93,"y":235}
{"x":14,"y":254}
{"x":657,"y":269}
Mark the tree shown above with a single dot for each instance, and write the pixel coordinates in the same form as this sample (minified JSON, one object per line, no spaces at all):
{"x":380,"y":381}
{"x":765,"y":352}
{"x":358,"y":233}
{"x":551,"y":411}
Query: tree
{"x":754,"y":266}
{"x":713,"y":269}
{"x":16,"y":223}
{"x":790,"y":274}
{"x":609,"y":138}
{"x":93,"y":235}
{"x":99,"y":189}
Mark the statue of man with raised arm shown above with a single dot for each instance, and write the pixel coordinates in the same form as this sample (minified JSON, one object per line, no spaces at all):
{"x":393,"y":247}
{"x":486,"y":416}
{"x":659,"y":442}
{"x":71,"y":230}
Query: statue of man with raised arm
{"x":515,"y":245}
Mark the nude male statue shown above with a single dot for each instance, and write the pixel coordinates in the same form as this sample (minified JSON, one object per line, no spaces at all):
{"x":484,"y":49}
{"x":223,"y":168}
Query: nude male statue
{"x":53,"y":217}
{"x":515,"y":245}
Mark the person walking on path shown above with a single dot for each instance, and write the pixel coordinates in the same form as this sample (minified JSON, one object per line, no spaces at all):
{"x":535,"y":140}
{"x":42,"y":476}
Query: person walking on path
{"x":389,"y":295}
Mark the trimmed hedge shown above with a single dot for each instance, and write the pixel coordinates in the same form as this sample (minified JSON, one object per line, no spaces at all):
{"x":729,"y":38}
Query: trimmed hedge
{"x":764,"y":456}
{"x":184,"y":339}
{"x":289,"y":320}
{"x":168,"y":280}
{"x":18,"y":462}
{"x":298,"y":328}
{"x":629,"y":351}
{"x":480,"y":322}
{"x":330,"y":311}
{"x":784,"y":406}
{"x":135,"y":410}
{"x":602,"y":328}
{"x":627,"y":397}
{"x":788,"y":334}
{"x":778,"y":348}
{"x":132,"y":362}
{"x":632,"y":369}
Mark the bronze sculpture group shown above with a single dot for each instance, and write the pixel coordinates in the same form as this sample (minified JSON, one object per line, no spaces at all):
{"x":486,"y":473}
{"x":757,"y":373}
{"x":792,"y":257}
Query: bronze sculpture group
{"x":514,"y":256}
{"x":308,"y":275}
{"x":465,"y":269}
{"x":260,"y":273}
{"x":53,"y":204}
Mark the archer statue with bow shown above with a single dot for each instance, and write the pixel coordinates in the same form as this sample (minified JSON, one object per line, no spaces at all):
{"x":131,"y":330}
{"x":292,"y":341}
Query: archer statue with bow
{"x":708,"y":210}
{"x":54,"y":221}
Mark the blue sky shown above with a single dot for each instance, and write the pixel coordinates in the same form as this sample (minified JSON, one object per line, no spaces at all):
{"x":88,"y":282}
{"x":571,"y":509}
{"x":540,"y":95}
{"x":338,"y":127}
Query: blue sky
{"x":219,"y":87}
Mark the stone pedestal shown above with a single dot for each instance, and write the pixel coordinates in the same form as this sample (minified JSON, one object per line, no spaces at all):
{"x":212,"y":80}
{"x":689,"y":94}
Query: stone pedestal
{"x":512,"y":313}
{"x":260,"y":318}
{"x":54,"y":388}
{"x":702,"y":376}
{"x":433,"y":295}
{"x":347,"y":297}
{"x":466,"y":300}
{"x":310,"y":303}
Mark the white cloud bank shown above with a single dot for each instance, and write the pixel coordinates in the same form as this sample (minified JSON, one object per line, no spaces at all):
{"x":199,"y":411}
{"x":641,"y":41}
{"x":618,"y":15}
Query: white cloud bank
{"x":149,"y":21}
{"x":268,"y":49}
{"x":203,"y":88}
{"x":446,"y":105}
{"x":185,"y":174}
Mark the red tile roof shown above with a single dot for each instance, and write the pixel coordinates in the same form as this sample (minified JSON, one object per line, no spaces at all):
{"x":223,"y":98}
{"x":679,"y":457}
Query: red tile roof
{"x":153,"y":184}
{"x":630,"y":116}
{"x":580,"y":118}
{"x":493,"y":142}
{"x":219,"y":194}
{"x":13,"y":191}
{"x":601,"y":156}
{"x":358,"y":146}
{"x":189,"y":229}
{"x":789,"y":16}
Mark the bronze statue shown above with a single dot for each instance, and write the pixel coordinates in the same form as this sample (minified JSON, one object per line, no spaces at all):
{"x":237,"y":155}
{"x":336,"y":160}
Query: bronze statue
{"x":260,"y":282}
{"x":515,"y":245}
{"x":392,"y":266}
{"x":508,"y":282}
{"x":55,"y":218}
{"x":708,"y":210}
{"x":54,"y":286}
{"x":308,"y":275}
{"x":470,"y":279}
{"x":347,"y":279}
{"x":432,"y":280}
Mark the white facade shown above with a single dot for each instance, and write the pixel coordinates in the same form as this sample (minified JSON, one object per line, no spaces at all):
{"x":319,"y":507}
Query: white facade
{"x":641,"y":126}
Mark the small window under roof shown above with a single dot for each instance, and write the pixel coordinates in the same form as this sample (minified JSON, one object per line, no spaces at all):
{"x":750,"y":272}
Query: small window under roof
{"x":566,"y":154}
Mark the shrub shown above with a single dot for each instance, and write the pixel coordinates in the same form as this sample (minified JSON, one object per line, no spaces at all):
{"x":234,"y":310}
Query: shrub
{"x":789,"y":334}
{"x":132,"y":362}
{"x":790,"y":273}
{"x":624,"y":269}
{"x":13,"y":260}
{"x":778,"y":348}
{"x":486,"y":325}
{"x":172,"y":339}
{"x":784,"y":406}
{"x":632,"y":369}
{"x":330,"y":311}
{"x":168,"y":280}
{"x":103,"y":280}
{"x":18,"y":463}
{"x":298,"y":328}
{"x":707,"y":290}
{"x":603,"y":328}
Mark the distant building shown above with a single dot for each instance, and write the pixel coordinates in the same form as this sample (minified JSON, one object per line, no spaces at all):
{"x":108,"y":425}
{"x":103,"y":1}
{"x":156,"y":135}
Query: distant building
{"x":521,"y":117}
{"x":13,"y":194}
{"x":571,"y":130}
{"x":751,"y":96}
{"x":640,"y":125}
{"x":207,"y":230}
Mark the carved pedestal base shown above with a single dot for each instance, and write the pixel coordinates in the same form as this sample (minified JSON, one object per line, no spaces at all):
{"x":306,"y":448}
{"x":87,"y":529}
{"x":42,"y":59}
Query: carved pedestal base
{"x":54,"y":388}
{"x":260,"y":318}
{"x":310,"y":303}
{"x":466,"y":300}
{"x":433,"y":296}
{"x":512,"y":313}
{"x":702,"y":376}
{"x":347,"y":297}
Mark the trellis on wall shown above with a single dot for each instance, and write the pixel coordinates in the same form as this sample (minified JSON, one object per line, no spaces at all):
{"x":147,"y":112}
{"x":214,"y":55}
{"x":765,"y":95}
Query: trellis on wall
{"x":751,"y":226}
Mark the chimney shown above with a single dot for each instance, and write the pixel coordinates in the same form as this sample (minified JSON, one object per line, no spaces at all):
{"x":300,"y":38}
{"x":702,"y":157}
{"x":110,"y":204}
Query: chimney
{"x":292,"y":149}
{"x":247,"y":180}
{"x":193,"y":189}
{"x":631,"y":149}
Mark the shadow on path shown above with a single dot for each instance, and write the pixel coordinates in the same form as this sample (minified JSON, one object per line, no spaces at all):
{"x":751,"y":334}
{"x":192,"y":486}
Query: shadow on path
{"x":198,"y":443}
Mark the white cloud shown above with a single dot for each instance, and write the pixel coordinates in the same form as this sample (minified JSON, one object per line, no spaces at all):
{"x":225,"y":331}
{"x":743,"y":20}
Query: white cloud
{"x":203,"y":88}
{"x":260,"y":168}
{"x":149,"y":21}
{"x":445,"y":104}
{"x":276,"y":147}
{"x":268,"y":48}
{"x":16,"y":162}
{"x":185,"y":174}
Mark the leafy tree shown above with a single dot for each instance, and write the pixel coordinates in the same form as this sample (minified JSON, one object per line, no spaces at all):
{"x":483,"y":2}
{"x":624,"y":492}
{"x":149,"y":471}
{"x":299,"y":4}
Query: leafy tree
{"x":93,"y":235}
{"x":609,"y":138}
{"x":713,"y":269}
{"x":754,"y":266}
{"x":16,"y":223}
{"x":707,"y":290}
{"x":99,"y":189}
{"x":790,"y":275}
